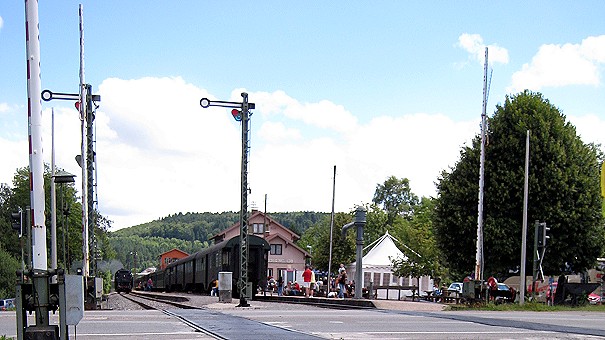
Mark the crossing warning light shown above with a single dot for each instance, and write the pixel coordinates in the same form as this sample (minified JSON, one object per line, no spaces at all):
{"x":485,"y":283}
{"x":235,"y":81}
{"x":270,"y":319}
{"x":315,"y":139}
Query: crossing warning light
{"x":237,"y":114}
{"x":17,"y":221}
{"x":545,"y":236}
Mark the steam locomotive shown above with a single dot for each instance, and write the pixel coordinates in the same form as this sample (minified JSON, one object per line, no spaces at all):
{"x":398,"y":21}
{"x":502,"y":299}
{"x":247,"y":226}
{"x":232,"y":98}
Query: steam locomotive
{"x":123,"y":281}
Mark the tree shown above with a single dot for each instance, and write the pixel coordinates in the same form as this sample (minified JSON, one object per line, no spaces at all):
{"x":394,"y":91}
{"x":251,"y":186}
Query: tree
{"x":377,"y":225}
{"x":414,"y":265}
{"x":318,"y":237}
{"x":68,"y":214}
{"x":8,"y":267}
{"x":396,"y":198}
{"x":423,"y":254}
{"x":563,"y":192}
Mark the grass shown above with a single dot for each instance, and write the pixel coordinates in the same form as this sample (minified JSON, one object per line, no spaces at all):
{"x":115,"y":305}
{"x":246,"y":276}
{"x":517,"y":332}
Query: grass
{"x":529,"y":307}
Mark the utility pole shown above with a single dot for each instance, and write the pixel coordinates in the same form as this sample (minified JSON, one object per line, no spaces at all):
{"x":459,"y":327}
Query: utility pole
{"x":332,"y":225}
{"x":522,"y":281}
{"x":242,"y":115}
{"x":479,"y":254}
{"x":85,"y":103}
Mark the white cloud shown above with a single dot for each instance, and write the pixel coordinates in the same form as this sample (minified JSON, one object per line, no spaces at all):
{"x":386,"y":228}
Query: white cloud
{"x":561,"y":65}
{"x":276,"y":131}
{"x":590,"y":128}
{"x":324,"y":114}
{"x":4,"y":107}
{"x":159,"y":152}
{"x":17,"y":157}
{"x":1,"y":22}
{"x":473,"y":44}
{"x":417,"y":146}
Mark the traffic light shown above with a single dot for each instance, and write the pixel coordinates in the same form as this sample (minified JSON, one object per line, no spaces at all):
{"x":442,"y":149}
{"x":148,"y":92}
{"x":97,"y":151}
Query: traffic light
{"x":545,"y":235}
{"x":237,"y":114}
{"x":17,"y":221}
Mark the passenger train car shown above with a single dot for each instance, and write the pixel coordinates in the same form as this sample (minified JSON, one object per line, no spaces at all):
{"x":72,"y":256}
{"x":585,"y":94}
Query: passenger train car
{"x":196,"y":272}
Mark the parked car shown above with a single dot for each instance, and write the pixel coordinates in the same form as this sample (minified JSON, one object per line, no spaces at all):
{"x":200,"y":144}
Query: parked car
{"x":503,"y":293}
{"x":594,"y":299}
{"x":456,"y":286}
{"x":7,"y":304}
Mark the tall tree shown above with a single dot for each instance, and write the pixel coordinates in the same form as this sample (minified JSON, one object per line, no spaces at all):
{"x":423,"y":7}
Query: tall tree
{"x":318,"y":237}
{"x":423,"y":255}
{"x":69,"y":218}
{"x":396,"y":198}
{"x":563,"y":192}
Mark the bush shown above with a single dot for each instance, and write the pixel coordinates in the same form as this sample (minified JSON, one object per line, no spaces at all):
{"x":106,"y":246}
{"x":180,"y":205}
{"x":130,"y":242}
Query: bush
{"x":8,"y":266}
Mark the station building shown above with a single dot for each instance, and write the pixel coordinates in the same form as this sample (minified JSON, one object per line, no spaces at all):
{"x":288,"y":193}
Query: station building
{"x":171,"y":256}
{"x":285,"y":258}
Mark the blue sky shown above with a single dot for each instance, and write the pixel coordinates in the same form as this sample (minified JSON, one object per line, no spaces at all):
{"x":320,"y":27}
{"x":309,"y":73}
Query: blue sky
{"x":376,"y":88}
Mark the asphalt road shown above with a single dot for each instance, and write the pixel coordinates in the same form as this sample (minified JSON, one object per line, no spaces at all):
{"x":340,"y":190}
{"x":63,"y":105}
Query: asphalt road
{"x":306,"y":322}
{"x":388,"y":324}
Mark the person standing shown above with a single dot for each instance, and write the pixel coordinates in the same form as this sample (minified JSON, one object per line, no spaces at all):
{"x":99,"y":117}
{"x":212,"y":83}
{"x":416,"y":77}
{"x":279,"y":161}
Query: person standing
{"x":342,"y":280}
{"x":307,"y":280}
{"x":280,"y":286}
{"x":214,"y":288}
{"x":313,"y":282}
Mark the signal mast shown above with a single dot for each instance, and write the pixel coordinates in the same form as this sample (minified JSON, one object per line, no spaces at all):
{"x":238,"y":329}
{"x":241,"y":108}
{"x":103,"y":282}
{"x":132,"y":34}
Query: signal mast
{"x":479,"y":254}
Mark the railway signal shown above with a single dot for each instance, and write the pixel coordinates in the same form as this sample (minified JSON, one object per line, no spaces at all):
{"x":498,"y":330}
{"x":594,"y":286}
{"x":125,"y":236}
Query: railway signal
{"x":540,"y":237}
{"x":87,"y":153}
{"x":241,"y":112}
{"x":17,"y":221}
{"x":539,"y":233}
{"x":237,"y":114}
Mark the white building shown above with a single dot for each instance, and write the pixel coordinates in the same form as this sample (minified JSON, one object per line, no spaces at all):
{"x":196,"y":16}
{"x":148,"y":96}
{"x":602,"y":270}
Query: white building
{"x":377,"y":267}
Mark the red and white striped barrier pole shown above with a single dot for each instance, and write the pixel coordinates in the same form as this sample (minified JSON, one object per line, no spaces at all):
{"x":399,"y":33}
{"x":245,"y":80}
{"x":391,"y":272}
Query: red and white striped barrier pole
{"x":34,"y":111}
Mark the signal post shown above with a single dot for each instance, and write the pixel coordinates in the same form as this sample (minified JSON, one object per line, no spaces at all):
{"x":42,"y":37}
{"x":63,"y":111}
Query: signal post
{"x":241,"y":113}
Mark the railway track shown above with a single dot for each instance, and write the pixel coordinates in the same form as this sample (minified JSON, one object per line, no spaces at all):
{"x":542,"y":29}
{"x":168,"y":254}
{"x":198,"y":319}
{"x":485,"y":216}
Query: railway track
{"x":158,"y":303}
{"x":149,"y":302}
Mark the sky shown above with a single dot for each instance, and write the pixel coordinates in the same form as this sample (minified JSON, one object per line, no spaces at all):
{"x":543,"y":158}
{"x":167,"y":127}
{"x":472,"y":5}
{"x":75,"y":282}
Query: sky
{"x":375,"y":88}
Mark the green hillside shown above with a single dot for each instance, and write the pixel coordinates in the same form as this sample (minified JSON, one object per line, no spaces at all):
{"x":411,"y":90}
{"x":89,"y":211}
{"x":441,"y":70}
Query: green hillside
{"x":188,"y":232}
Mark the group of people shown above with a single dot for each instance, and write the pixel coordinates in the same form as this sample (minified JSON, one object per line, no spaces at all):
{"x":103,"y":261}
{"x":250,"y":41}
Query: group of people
{"x":147,"y":286}
{"x":338,"y":287}
{"x":309,"y":285}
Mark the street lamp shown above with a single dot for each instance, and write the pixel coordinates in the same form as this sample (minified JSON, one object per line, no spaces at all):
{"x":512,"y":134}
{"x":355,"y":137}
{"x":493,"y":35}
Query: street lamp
{"x":63,"y":177}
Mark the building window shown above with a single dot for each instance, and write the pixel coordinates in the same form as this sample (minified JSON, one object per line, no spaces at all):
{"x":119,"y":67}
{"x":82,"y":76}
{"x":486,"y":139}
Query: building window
{"x":225,"y":258}
{"x":258,"y":228}
{"x":276,"y":249}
